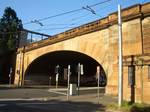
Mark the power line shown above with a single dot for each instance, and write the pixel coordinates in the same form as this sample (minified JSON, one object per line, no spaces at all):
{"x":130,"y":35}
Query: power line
{"x":99,"y":3}
{"x":73,"y":19}
{"x":72,"y":11}
{"x":72,"y":23}
{"x":55,"y":16}
{"x":37,"y":22}
{"x":83,"y":16}
{"x":89,"y":9}
{"x":57,"y":28}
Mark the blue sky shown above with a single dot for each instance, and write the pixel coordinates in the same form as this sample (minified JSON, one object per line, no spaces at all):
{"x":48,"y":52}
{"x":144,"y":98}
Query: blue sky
{"x":30,"y":10}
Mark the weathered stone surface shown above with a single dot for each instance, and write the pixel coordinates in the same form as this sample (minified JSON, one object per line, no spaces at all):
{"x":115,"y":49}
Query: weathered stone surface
{"x":146,"y":34}
{"x":100,"y":42}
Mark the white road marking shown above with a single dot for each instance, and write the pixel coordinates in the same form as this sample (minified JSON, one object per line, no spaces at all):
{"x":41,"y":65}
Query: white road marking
{"x":81,"y":88}
{"x":57,"y":92}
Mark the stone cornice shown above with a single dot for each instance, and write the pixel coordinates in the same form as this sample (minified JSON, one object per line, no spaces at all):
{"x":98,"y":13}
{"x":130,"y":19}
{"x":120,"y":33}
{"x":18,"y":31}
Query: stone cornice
{"x":133,"y":12}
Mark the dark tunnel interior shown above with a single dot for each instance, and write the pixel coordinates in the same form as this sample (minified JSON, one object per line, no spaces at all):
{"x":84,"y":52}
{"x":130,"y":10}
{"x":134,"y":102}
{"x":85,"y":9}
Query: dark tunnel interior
{"x":42,"y":71}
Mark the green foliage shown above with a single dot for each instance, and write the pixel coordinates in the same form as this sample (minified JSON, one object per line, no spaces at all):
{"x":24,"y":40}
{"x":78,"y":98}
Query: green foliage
{"x":129,"y":107}
{"x":10,"y":26}
{"x":11,"y":43}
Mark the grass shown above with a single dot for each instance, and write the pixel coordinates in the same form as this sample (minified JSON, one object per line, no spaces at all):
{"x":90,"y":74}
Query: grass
{"x":129,"y":107}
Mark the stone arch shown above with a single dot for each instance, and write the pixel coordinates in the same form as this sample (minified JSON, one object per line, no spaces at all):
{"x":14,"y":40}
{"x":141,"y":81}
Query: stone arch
{"x":76,"y":55}
{"x":99,"y":57}
{"x":94,"y":45}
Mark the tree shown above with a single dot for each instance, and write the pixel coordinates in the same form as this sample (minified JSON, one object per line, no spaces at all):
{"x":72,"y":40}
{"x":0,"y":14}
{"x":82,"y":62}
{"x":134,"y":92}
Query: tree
{"x":10,"y":27}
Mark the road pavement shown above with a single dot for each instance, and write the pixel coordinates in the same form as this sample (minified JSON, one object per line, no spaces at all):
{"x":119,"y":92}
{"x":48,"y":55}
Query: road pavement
{"x":50,"y":100}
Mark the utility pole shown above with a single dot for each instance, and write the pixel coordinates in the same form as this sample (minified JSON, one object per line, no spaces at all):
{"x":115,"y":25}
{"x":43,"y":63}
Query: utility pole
{"x":79,"y":71}
{"x":68,"y":89}
{"x":98,"y":79}
{"x":120,"y":75}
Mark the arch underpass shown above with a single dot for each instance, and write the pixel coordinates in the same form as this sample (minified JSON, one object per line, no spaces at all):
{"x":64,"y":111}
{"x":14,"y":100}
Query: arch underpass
{"x":93,"y":44}
{"x":42,"y":68}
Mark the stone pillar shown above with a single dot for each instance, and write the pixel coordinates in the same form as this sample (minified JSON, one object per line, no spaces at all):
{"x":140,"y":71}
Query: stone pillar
{"x":19,"y":67}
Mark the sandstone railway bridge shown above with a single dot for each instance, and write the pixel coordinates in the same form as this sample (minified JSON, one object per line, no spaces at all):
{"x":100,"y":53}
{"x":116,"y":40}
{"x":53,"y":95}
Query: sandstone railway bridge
{"x":95,"y":44}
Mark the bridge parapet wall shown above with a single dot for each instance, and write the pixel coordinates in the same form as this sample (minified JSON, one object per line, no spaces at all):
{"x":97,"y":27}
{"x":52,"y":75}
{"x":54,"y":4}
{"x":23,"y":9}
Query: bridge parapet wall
{"x":137,"y":11}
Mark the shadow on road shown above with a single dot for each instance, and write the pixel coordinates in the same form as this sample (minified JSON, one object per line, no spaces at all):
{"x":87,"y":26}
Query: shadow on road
{"x":50,"y":106}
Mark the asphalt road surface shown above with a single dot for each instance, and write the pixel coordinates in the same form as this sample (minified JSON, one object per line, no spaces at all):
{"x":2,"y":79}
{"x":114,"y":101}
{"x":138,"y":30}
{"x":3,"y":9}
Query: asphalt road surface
{"x":50,"y":106}
{"x":49,"y":100}
{"x":27,"y":93}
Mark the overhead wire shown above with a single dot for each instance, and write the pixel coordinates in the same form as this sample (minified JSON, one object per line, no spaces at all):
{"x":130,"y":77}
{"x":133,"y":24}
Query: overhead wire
{"x":56,"y":28}
{"x":60,"y":28}
{"x":72,"y":11}
{"x":73,"y":22}
{"x":64,"y":14}
{"x":83,"y":16}
{"x":73,"y":19}
{"x":66,"y":27}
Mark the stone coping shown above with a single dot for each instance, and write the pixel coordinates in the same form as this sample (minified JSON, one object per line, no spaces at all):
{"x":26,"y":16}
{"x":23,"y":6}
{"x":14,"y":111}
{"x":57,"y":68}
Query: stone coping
{"x":133,"y":12}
